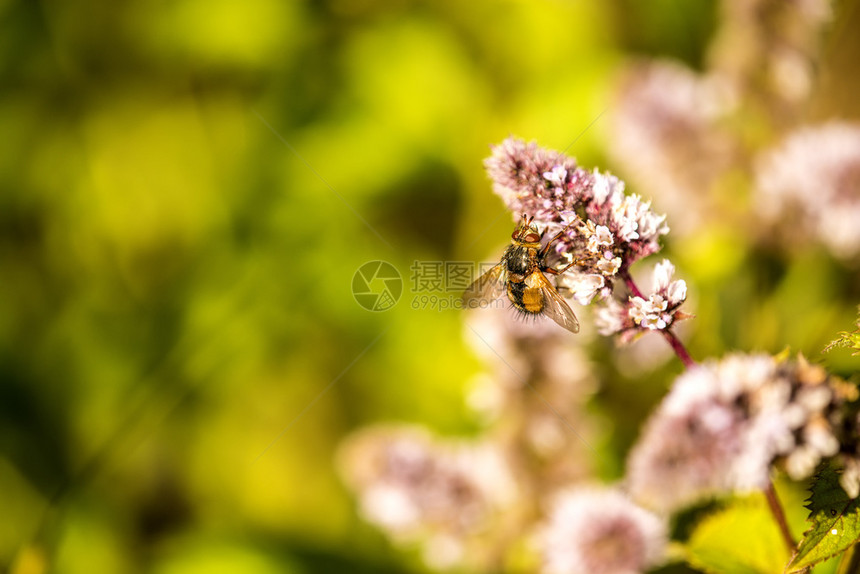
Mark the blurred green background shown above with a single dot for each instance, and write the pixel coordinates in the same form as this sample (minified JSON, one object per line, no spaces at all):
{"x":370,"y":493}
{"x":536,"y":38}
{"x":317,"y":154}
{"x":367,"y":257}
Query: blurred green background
{"x":187,"y":190}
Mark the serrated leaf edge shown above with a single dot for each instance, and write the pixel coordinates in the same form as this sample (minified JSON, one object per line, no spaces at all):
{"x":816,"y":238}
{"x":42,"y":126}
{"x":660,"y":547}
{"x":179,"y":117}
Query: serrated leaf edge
{"x":791,"y":568}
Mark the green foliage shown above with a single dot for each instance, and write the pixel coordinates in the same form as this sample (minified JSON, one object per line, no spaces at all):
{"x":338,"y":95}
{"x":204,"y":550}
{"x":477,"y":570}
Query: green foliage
{"x":187,"y":190}
{"x":741,"y":538}
{"x":835,"y":520}
{"x":188,"y":186}
{"x":845,"y":339}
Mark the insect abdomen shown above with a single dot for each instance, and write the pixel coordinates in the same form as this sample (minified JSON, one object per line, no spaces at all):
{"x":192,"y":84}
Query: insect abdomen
{"x":532,"y":300}
{"x":526,"y":299}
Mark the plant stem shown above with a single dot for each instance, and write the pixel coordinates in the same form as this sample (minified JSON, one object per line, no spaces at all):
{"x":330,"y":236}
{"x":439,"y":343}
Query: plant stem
{"x":670,"y":337}
{"x":679,"y":348}
{"x":779,"y":516}
{"x":628,"y":280}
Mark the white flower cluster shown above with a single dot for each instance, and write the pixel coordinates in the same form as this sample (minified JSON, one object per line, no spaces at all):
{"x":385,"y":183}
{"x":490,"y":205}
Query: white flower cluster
{"x":417,"y":488}
{"x":725,"y":423}
{"x":612,"y":318}
{"x":635,"y":220}
{"x":549,"y":186}
{"x":667,"y":136}
{"x":556,"y":176}
{"x":656,"y":312}
{"x":627,"y":217}
{"x":601,"y":531}
{"x":599,"y":241}
{"x":540,"y":364}
{"x":811,"y":185}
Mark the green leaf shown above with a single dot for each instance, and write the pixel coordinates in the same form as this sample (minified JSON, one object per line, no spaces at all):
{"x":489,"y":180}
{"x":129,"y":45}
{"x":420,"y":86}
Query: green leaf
{"x":835,"y":520}
{"x":742,"y":538}
{"x":846,"y":339}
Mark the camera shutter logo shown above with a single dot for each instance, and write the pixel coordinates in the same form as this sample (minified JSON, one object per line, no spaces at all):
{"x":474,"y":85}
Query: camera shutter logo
{"x":377,"y":286}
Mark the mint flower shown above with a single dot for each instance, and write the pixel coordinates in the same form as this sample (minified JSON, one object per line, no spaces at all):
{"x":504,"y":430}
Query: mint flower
{"x":585,"y":286}
{"x":658,"y":311}
{"x":556,"y":175}
{"x":725,"y":424}
{"x":809,"y":187}
{"x":600,"y":531}
{"x":601,"y":232}
{"x":650,"y":314}
{"x":605,"y":230}
{"x":598,"y":232}
{"x":538,"y":391}
{"x":669,"y":137}
{"x":613,"y":318}
{"x":417,"y":488}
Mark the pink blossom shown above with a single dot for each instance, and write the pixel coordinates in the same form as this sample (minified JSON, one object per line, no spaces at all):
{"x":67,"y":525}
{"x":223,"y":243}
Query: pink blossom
{"x":601,"y":531}
{"x":725,"y":424}
{"x":610,"y":229}
{"x":809,"y":187}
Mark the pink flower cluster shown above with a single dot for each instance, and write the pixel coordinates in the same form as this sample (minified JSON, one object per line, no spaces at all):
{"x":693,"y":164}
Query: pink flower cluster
{"x":809,"y":187}
{"x":658,"y":311}
{"x":601,"y":531}
{"x":536,"y":384}
{"x":420,"y":489}
{"x":725,"y":423}
{"x":669,"y":137}
{"x":606,"y":230}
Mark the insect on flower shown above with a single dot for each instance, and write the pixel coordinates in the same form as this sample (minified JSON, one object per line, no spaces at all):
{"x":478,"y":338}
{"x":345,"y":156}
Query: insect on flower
{"x":521,"y":275}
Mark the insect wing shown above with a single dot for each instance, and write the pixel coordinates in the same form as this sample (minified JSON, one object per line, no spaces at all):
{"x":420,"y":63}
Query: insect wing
{"x":555,"y":307}
{"x":486,"y":288}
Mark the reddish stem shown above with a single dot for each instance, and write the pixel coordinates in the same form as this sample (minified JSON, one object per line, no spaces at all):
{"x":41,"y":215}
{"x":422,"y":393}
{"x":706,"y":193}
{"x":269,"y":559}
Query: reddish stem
{"x":670,"y":337}
{"x":779,"y":516}
{"x":631,"y":285}
{"x":679,"y":348}
{"x":681,"y":352}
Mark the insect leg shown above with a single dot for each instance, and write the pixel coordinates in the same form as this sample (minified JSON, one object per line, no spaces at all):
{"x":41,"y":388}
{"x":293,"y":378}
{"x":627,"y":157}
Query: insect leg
{"x":552,"y":271}
{"x":558,"y":235}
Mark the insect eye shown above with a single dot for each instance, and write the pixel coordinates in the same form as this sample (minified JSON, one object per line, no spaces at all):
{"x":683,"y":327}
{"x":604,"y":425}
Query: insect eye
{"x":532,"y":237}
